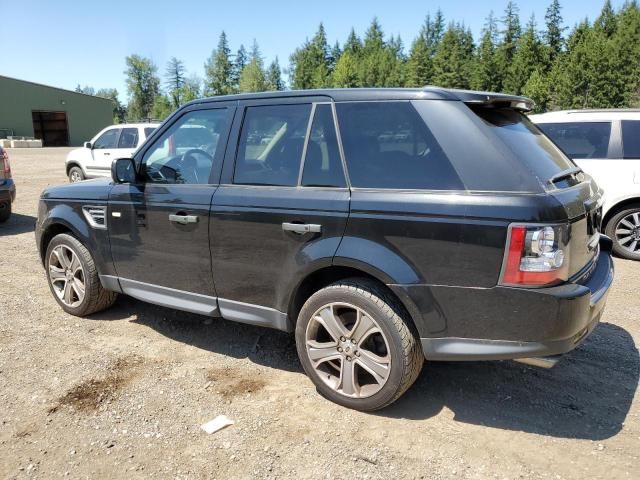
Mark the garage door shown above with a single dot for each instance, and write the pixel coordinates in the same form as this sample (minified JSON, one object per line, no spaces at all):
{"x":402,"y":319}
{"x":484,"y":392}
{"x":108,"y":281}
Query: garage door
{"x":51,"y":128}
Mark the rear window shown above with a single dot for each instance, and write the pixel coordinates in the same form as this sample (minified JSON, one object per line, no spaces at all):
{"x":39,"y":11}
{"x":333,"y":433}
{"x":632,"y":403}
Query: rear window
{"x":388,"y":145}
{"x":526,"y":141}
{"x":631,"y":138}
{"x":580,"y":139}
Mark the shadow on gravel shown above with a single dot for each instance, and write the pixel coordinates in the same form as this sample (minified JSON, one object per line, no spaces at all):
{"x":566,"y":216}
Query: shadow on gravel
{"x":17,"y":224}
{"x":587,"y":395}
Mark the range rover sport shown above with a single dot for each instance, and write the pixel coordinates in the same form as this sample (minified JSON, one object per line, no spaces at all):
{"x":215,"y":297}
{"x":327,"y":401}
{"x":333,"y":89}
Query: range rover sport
{"x":382,"y":226}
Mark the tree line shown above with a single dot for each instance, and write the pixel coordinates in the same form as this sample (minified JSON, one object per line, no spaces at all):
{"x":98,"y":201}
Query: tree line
{"x":594,"y":65}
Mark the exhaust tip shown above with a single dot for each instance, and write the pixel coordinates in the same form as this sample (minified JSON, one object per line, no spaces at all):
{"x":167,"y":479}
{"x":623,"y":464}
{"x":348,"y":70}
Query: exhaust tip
{"x":541,"y":362}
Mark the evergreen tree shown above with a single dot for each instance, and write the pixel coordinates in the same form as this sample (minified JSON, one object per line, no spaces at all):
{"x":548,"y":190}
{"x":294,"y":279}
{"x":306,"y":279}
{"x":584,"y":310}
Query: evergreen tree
{"x":453,"y":59}
{"x":310,"y":64}
{"x":345,"y":74}
{"x":553,"y":35}
{"x":174,"y":80}
{"x":419,"y":67}
{"x":219,"y":71}
{"x":239,"y":62}
{"x":274,"y":76}
{"x":377,"y":66}
{"x":353,"y":44}
{"x":606,"y":22}
{"x":252,"y":78}
{"x":434,"y":31}
{"x":526,"y":59}
{"x":510,"y":34}
{"x":143,"y":86}
{"x":192,"y":88}
{"x":486,"y":74}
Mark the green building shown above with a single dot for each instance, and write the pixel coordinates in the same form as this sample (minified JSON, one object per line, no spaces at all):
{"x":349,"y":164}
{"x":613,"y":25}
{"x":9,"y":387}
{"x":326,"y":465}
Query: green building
{"x":56,"y":116}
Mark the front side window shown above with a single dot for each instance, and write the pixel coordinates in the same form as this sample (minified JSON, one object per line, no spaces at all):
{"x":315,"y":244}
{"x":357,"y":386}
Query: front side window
{"x":388,"y":145}
{"x":128,"y":138}
{"x":108,"y":139}
{"x":271,"y":144}
{"x":631,"y":138}
{"x":580,"y":139}
{"x":322,"y":164}
{"x":186,"y":152}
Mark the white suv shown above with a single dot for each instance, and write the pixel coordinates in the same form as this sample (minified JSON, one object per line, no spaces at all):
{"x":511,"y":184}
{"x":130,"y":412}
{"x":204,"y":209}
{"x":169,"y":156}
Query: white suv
{"x":116,"y":141}
{"x":606,"y":145}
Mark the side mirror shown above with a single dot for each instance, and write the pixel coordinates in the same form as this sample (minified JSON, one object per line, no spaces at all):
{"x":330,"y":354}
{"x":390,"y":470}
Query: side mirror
{"x":123,"y":170}
{"x":87,"y":145}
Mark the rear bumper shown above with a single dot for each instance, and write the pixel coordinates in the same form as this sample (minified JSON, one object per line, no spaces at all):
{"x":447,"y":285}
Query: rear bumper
{"x":508,"y":323}
{"x":7,"y":191}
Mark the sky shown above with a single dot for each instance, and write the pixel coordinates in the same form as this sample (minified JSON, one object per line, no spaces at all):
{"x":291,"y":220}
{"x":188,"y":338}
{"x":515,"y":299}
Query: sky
{"x":70,"y":42}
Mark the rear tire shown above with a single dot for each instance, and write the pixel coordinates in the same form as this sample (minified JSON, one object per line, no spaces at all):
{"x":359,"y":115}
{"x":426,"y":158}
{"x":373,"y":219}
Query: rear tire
{"x":73,"y":278}
{"x":76,"y":174}
{"x":5,"y":211}
{"x":624,"y":229}
{"x":358,"y":345}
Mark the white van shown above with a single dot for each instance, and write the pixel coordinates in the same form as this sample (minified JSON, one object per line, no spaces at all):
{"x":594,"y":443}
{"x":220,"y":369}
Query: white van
{"x":606,"y":145}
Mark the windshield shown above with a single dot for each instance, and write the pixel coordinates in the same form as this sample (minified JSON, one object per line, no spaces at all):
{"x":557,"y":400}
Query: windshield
{"x":526,"y":141}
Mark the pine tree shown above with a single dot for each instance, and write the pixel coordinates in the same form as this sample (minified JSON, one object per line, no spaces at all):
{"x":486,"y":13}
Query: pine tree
{"x":509,"y":41}
{"x":553,"y":35}
{"x":526,"y":59}
{"x":486,"y":75}
{"x":375,"y":65}
{"x":239,"y":62}
{"x":174,"y":80}
{"x":310,"y":64}
{"x":252,"y":78}
{"x":353,"y":44}
{"x":345,"y":74}
{"x":274,"y":76}
{"x":219,"y":70}
{"x":606,"y":21}
{"x":419,"y":67}
{"x":453,"y":59}
{"x":434,"y":31}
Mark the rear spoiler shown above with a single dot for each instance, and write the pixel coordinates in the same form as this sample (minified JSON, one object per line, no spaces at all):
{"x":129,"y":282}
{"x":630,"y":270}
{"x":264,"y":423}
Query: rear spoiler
{"x":491,"y":99}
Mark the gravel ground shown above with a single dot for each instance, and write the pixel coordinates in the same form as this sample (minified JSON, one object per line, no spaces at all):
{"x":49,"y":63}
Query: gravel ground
{"x":123,"y":394}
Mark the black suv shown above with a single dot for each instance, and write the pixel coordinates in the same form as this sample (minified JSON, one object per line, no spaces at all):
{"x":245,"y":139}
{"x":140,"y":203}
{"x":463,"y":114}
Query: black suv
{"x":383,"y":226}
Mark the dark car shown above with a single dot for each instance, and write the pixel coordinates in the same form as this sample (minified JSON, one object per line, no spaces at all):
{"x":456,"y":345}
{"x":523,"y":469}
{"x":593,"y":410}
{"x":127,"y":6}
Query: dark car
{"x":7,"y":187}
{"x":382,"y":226}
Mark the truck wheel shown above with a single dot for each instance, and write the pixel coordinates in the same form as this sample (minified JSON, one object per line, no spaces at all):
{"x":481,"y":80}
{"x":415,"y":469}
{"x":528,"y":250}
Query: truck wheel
{"x":357,"y":345}
{"x":5,"y":211}
{"x":75,"y":174}
{"x":73,"y":278}
{"x":624,"y":230}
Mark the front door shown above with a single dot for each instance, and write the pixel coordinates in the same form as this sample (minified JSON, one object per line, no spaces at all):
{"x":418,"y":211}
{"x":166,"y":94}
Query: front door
{"x":275,"y":217}
{"x":103,"y":151}
{"x":159,"y":226}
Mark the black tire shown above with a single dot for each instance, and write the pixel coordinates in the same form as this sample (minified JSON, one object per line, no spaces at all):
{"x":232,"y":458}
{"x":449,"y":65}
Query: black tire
{"x":76,"y":174}
{"x":96,"y":297}
{"x":5,"y":211}
{"x":614,"y":224}
{"x":405,"y":349}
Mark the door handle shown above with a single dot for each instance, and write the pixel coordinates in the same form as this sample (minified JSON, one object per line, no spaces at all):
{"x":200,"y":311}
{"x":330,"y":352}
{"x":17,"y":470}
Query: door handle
{"x":183,"y":219}
{"x":301,"y":228}
{"x":106,"y":153}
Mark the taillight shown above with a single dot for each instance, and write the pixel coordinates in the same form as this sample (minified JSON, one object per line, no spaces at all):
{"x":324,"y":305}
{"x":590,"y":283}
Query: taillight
{"x":536,"y":255}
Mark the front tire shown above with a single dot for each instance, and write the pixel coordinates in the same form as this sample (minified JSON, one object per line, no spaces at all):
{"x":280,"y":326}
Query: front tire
{"x":357,"y":344}
{"x":624,"y":229}
{"x":76,"y":174}
{"x":5,"y":211}
{"x":73,"y":278}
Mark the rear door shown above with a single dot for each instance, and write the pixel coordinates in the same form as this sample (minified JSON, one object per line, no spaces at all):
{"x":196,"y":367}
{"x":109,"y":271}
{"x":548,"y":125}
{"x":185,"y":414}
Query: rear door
{"x":281,"y":208}
{"x":127,"y":142}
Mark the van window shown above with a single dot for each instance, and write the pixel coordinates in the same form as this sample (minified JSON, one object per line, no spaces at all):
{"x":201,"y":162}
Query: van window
{"x":388,"y":145}
{"x":631,"y":138}
{"x":322,"y":164}
{"x":271,"y":144}
{"x":580,"y":139}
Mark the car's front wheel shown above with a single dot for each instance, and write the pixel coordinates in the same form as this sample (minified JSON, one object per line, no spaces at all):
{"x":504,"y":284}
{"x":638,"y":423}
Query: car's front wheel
{"x":357,"y":345}
{"x":73,"y":278}
{"x":624,"y":230}
{"x":5,"y":211}
{"x":75,"y":174}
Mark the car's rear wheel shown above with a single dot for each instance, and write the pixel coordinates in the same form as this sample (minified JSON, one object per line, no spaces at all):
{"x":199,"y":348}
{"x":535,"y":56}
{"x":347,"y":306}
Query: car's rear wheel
{"x":75,"y":174}
{"x":73,"y":277}
{"x":624,"y":230}
{"x":357,"y":345}
{"x":5,"y":211}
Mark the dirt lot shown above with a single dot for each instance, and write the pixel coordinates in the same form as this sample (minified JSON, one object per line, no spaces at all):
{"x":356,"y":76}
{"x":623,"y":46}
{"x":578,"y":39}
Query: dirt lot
{"x":123,"y":394}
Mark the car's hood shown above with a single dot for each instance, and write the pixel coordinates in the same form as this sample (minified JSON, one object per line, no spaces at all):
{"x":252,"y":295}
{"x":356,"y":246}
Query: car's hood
{"x":97,"y":189}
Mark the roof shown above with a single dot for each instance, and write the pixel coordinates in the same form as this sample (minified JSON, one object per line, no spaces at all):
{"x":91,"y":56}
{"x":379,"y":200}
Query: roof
{"x":601,"y":114}
{"x":360,"y":94}
{"x":54,"y":88}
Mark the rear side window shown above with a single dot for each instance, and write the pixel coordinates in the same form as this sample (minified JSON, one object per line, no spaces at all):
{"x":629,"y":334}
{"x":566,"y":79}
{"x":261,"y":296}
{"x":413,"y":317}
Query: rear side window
{"x":631,"y":138}
{"x":148,"y":131}
{"x":580,"y":139}
{"x":388,"y":145}
{"x":128,"y":138}
{"x":271,"y":144}
{"x":322,"y":164}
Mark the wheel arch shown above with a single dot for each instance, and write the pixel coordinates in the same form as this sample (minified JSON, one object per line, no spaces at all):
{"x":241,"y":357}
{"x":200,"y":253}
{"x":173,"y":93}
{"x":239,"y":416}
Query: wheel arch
{"x":73,"y":163}
{"x":617,"y":207}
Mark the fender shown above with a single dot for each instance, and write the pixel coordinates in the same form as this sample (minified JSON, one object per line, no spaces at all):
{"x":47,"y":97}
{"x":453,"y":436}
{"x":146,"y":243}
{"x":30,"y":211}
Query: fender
{"x":69,"y":215}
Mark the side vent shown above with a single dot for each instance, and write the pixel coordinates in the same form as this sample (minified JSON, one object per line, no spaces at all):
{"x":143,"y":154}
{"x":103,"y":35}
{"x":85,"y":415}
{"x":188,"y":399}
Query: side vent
{"x":96,"y":216}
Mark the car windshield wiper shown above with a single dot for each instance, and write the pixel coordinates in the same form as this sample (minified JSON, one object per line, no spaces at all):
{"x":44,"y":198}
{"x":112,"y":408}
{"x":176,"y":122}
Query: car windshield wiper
{"x":564,"y":174}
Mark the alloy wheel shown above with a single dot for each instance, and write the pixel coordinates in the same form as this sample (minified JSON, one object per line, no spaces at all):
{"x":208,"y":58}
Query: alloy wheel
{"x":75,"y":176}
{"x":628,"y":232}
{"x":348,"y":350}
{"x":67,"y":276}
